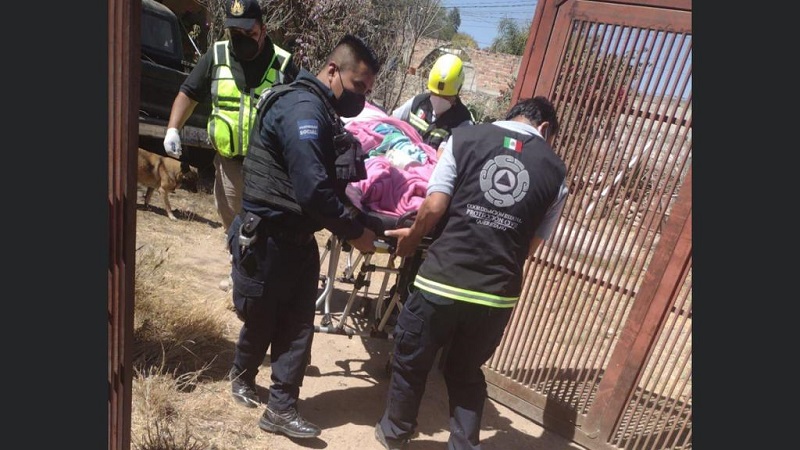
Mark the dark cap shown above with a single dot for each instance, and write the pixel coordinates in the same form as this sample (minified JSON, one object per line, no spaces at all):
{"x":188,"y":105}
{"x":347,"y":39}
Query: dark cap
{"x":242,"y":13}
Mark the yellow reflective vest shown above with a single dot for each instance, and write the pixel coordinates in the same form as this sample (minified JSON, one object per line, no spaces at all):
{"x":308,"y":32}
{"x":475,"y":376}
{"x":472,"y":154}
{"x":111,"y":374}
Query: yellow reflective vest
{"x":233,"y":111}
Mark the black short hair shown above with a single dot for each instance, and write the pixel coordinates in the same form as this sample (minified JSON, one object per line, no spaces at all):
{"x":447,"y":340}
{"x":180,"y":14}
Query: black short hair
{"x":537,"y":109}
{"x":350,"y":50}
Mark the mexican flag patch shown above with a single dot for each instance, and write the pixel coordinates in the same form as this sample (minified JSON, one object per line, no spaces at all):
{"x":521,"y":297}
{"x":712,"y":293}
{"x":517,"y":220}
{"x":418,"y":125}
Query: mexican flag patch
{"x":512,"y":144}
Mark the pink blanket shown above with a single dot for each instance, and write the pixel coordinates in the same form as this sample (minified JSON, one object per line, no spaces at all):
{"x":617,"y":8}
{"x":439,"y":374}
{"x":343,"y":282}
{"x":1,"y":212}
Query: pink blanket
{"x":391,"y":191}
{"x":388,"y":190}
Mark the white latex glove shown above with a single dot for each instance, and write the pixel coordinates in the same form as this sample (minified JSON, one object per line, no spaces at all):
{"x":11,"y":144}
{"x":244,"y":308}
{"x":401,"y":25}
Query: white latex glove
{"x":172,"y":143}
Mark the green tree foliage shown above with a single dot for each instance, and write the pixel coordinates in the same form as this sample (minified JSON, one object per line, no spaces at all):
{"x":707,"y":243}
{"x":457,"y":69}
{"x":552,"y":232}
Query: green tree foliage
{"x":444,"y":24}
{"x":464,"y":40}
{"x":453,"y":22}
{"x":511,"y":38}
{"x":455,"y":17}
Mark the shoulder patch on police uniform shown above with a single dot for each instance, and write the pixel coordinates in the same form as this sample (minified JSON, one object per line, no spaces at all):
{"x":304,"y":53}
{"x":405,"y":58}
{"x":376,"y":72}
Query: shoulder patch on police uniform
{"x":308,"y":129}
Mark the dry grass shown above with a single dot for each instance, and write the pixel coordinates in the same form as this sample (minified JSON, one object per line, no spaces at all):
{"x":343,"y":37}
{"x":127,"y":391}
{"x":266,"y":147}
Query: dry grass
{"x":167,"y":418}
{"x":180,"y":336}
{"x":159,"y":422}
{"x":167,"y":332}
{"x":184,"y":333}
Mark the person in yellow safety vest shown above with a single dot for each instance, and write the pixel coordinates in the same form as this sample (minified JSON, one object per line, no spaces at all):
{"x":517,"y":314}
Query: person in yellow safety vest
{"x":434,"y":113}
{"x":233,"y":73}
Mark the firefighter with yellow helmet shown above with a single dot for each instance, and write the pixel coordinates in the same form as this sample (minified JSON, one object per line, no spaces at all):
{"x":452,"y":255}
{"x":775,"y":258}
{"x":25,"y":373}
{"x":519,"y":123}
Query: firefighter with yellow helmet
{"x":434,"y":113}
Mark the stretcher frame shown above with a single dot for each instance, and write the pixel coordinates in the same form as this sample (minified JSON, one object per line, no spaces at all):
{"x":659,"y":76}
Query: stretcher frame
{"x":378,"y":316}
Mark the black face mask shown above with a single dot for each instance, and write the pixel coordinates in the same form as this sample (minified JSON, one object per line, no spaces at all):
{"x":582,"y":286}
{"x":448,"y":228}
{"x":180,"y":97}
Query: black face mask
{"x":243,"y":47}
{"x":350,"y":104}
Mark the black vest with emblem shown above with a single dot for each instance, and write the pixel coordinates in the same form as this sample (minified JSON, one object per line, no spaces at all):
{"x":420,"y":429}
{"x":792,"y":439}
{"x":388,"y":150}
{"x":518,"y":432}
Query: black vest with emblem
{"x":504,"y":185}
{"x":266,"y":177}
{"x":435,"y":132}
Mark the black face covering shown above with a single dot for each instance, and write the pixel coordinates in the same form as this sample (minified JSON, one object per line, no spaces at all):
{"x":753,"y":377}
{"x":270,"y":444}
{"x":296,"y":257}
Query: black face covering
{"x":243,"y":47}
{"x":350,"y":104}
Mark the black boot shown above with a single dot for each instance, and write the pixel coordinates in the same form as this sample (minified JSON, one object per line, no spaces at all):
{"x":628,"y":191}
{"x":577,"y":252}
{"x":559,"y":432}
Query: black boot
{"x":289,"y":423}
{"x":243,"y":388}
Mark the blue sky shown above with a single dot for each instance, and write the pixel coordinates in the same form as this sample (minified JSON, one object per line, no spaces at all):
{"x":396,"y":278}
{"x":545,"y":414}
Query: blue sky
{"x":479,"y":18}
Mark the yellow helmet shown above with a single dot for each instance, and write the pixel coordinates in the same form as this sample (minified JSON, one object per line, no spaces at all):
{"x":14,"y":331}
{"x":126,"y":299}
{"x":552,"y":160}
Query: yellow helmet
{"x":447,"y":75}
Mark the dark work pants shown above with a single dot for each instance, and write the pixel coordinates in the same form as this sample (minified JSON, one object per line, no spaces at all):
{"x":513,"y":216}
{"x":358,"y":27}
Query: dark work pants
{"x":274,"y":292}
{"x":422,"y":329}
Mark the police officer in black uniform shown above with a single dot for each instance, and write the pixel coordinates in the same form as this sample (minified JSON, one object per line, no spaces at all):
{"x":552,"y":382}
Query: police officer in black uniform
{"x":499,"y":187}
{"x":298,"y":163}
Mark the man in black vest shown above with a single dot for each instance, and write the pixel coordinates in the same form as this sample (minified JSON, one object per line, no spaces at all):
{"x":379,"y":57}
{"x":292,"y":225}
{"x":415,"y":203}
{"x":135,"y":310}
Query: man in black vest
{"x":500,"y":188}
{"x":297,"y":166}
{"x":434,"y":113}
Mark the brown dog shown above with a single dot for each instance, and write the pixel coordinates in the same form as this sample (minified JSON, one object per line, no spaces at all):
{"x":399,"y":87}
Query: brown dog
{"x":161,"y":173}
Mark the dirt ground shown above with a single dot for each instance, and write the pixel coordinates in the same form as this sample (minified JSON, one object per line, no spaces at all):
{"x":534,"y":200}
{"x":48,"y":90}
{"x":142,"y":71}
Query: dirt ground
{"x":345,"y":386}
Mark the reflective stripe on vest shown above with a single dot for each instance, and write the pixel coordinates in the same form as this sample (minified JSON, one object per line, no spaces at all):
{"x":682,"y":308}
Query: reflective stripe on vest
{"x":464,"y":295}
{"x":418,"y":122}
{"x":233,"y":111}
{"x":439,"y":134}
{"x":281,"y":59}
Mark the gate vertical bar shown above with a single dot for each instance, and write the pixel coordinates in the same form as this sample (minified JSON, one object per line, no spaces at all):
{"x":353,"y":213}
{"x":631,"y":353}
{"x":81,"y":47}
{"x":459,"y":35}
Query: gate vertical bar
{"x":124,"y":19}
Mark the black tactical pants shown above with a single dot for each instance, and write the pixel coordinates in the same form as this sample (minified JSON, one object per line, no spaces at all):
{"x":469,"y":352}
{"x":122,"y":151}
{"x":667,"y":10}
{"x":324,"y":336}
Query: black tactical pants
{"x":423,"y":327}
{"x":275,"y":284}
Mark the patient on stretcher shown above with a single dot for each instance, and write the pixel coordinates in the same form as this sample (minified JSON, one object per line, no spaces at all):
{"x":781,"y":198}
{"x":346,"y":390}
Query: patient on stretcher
{"x":398,"y":165}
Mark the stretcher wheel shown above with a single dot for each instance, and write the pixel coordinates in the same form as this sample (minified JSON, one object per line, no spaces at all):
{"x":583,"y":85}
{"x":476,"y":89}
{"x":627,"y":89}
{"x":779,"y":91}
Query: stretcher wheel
{"x":326,"y":320}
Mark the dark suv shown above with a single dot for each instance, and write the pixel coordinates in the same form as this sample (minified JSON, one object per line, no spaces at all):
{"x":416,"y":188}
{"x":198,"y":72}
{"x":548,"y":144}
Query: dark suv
{"x":163,"y":70}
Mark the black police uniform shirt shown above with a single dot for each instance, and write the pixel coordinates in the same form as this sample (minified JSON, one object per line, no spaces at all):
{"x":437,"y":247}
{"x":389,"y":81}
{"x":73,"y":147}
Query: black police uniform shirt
{"x":300,"y":128}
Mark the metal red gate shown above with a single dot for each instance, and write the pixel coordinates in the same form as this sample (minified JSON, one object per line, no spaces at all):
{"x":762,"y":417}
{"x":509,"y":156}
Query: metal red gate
{"x":123,"y":103}
{"x":599,"y":347}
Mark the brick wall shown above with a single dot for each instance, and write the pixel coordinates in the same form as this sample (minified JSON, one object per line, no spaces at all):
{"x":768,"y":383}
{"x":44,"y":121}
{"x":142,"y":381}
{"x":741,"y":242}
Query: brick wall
{"x":486,"y":72}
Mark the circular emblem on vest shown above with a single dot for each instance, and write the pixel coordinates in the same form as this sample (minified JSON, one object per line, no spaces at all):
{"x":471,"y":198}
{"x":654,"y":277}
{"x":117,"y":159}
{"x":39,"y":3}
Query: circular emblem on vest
{"x":504,"y":180}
